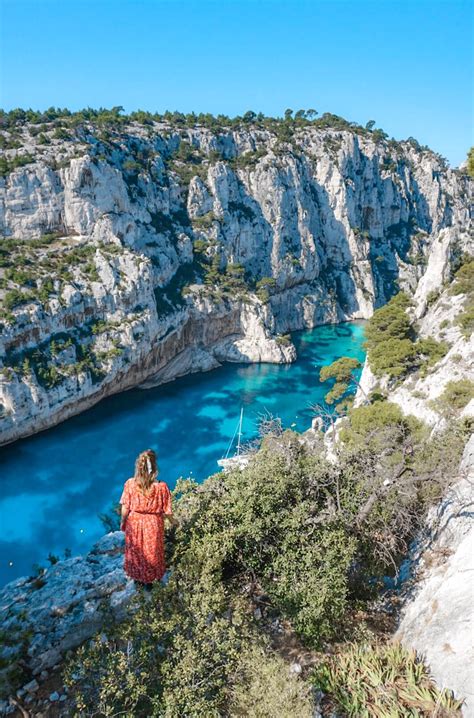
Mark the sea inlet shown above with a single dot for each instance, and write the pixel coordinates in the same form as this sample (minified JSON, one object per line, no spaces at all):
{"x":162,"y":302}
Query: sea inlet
{"x":54,"y":485}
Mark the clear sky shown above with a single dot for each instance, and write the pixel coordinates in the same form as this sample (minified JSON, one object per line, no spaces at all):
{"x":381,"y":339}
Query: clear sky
{"x":406,"y":64}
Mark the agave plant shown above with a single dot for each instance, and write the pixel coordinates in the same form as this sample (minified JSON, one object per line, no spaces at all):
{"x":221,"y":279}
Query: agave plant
{"x":383,"y":681}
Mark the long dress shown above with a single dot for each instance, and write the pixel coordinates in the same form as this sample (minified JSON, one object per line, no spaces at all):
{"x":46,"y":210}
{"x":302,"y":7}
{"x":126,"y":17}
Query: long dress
{"x":144,"y":530}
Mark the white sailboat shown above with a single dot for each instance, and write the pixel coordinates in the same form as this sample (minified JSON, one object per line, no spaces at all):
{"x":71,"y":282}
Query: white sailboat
{"x":238,"y":460}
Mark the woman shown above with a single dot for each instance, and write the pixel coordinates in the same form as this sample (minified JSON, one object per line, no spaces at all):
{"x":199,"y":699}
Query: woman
{"x":145,"y":502}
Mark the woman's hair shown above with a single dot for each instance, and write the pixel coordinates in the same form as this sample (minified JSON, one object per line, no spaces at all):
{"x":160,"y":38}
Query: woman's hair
{"x":146,"y":469}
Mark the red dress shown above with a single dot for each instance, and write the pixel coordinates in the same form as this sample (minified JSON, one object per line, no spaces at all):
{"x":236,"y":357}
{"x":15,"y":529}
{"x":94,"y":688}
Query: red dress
{"x":144,"y":530}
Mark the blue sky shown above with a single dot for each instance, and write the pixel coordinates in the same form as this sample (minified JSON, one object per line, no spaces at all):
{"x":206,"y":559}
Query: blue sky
{"x":405,"y":64}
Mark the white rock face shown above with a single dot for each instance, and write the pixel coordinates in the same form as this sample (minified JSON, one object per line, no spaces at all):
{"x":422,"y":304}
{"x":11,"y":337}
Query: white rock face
{"x":437,"y":270}
{"x":438,"y":616}
{"x":334,"y":219}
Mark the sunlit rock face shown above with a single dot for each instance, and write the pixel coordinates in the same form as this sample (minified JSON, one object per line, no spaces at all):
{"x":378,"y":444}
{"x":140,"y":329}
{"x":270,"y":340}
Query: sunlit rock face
{"x":437,"y":615}
{"x":332,"y":222}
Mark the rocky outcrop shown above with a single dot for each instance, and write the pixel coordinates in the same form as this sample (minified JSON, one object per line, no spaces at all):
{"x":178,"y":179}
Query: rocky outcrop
{"x":44,"y":617}
{"x":169,"y":251}
{"x":438,"y":615}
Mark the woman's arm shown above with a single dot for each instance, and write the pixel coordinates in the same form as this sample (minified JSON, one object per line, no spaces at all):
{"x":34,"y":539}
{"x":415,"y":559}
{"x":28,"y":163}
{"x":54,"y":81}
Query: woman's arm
{"x":125,"y":512}
{"x":125,"y":504}
{"x":167,"y":508}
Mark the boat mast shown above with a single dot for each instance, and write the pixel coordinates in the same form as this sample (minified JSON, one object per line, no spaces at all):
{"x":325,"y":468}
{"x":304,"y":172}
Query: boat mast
{"x":240,"y":429}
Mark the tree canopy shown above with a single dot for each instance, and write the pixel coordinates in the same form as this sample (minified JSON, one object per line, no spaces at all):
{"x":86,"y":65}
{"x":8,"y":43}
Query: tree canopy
{"x":343,"y":371}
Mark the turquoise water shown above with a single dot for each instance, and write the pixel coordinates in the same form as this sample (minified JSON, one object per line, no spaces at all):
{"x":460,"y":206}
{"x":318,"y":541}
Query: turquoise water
{"x":55,"y":484}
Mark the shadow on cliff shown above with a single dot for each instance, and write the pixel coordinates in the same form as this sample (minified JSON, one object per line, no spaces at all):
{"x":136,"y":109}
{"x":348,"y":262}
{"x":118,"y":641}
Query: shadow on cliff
{"x":328,"y":233}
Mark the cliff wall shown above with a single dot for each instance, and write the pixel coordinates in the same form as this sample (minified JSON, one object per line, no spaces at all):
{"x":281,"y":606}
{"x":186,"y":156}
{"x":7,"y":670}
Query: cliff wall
{"x":132,"y":256}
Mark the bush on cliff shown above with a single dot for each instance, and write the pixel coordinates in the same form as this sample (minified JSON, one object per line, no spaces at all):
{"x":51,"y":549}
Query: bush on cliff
{"x":392,"y":347}
{"x":463,"y":283}
{"x":456,"y":395}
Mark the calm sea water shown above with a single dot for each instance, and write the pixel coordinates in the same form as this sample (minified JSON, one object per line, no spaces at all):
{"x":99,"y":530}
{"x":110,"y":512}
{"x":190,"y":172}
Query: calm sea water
{"x":54,"y":485}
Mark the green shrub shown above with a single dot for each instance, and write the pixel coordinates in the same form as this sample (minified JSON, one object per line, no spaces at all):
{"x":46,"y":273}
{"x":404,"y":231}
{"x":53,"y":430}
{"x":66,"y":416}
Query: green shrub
{"x":456,"y":395}
{"x":230,"y":281}
{"x":20,"y":276}
{"x":248,"y":159}
{"x":7,"y":166}
{"x":465,"y":319}
{"x":463,"y":282}
{"x":15,"y":298}
{"x":393,"y":357}
{"x":131,"y":166}
{"x":432,"y":296}
{"x":264,"y":688}
{"x":470,"y":162}
{"x":99,"y":326}
{"x":91,"y":271}
{"x":205,"y":221}
{"x":391,"y":346}
{"x":430,"y":351}
{"x":283,"y":340}
{"x":418,"y":394}
{"x":61,"y":134}
{"x":390,"y":321}
{"x":175,"y":657}
{"x":264,"y":288}
{"x":371,"y":419}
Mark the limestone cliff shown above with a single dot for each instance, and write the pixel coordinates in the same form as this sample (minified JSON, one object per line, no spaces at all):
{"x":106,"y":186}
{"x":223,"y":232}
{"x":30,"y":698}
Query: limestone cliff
{"x":133,"y":255}
{"x":423,"y":394}
{"x":437,"y":615}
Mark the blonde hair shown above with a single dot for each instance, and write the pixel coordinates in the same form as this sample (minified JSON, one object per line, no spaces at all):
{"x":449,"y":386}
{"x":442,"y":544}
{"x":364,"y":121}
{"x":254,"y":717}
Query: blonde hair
{"x":146,"y":470}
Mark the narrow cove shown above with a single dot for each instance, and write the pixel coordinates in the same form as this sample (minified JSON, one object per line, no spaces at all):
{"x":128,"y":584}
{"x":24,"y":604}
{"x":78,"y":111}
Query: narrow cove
{"x":55,"y":484}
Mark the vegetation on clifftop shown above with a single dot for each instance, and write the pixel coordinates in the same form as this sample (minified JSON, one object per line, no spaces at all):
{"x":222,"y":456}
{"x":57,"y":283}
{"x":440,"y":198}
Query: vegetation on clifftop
{"x":292,"y":544}
{"x":67,"y":123}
